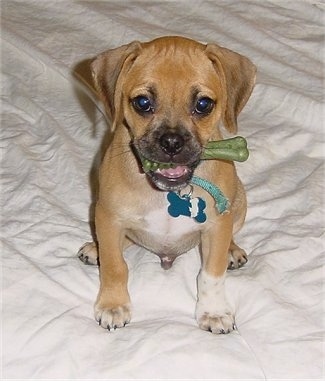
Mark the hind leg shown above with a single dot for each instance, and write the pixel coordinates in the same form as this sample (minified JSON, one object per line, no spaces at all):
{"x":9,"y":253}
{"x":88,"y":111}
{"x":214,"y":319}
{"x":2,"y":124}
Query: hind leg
{"x":236,"y":256}
{"x":88,"y":253}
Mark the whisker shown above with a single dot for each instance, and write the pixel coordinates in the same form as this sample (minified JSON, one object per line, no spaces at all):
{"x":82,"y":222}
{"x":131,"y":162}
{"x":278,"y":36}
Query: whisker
{"x":120,"y":149}
{"x":120,"y":153}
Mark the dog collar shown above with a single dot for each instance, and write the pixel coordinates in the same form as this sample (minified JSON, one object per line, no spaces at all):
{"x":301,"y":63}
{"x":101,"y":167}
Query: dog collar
{"x":194,"y":207}
{"x":222,"y":203}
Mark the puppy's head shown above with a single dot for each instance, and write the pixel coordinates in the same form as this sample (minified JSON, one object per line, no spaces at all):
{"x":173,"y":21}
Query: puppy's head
{"x":171,"y":93}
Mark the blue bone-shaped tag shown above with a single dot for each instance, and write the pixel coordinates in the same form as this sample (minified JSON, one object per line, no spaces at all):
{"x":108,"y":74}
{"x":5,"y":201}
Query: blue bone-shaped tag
{"x":186,"y":206}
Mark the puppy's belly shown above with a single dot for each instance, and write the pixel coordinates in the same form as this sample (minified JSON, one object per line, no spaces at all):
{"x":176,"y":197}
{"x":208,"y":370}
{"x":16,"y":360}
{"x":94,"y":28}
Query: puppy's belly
{"x":166,"y":235}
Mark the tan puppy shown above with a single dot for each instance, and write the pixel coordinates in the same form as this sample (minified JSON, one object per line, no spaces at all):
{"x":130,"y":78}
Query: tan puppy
{"x":166,"y":99}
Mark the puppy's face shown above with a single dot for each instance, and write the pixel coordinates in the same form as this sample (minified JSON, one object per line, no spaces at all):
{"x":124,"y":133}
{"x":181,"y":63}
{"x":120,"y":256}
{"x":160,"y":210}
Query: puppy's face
{"x":171,"y":103}
{"x":171,"y":94}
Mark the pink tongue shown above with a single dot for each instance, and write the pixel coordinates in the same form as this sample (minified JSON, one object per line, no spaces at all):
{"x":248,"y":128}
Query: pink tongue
{"x":173,"y":173}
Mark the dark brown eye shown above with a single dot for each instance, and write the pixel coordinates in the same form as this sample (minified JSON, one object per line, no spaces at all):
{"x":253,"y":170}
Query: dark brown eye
{"x":142,"y":104}
{"x":204,"y":106}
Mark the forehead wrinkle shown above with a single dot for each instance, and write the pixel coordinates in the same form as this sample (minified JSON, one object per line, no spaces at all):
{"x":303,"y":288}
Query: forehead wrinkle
{"x":161,"y":77}
{"x":170,"y":59}
{"x":144,"y":88}
{"x":172,"y":46}
{"x":172,"y":71}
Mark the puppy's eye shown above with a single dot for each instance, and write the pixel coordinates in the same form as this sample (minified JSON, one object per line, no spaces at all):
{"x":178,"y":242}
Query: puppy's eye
{"x":204,"y":106}
{"x":142,"y":104}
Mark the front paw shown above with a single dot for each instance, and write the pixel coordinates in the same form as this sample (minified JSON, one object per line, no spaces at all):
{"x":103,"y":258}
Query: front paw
{"x":212,"y":310}
{"x":219,"y":324}
{"x":112,"y":318}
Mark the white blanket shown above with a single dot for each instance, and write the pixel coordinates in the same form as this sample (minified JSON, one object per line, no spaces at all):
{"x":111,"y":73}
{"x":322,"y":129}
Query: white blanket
{"x":51,"y":131}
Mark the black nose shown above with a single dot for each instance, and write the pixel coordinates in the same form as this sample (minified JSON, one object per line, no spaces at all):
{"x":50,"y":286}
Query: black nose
{"x":171,"y":143}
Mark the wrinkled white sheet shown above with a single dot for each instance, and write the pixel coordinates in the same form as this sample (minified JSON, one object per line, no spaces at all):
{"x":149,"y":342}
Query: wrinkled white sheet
{"x":51,"y":131}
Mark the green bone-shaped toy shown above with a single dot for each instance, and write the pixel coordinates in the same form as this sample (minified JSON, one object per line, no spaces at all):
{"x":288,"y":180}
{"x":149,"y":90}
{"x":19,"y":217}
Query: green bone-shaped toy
{"x":233,"y":149}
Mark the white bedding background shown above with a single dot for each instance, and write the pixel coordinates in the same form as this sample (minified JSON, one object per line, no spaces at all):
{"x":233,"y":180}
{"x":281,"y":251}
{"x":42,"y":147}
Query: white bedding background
{"x":51,"y":131}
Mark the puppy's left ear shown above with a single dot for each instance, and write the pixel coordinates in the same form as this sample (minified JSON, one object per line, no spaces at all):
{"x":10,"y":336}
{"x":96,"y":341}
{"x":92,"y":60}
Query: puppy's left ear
{"x":237,"y":74}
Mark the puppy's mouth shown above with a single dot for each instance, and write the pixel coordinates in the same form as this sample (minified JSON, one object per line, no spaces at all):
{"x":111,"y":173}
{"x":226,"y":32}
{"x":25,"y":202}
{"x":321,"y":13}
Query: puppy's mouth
{"x":167,"y":176}
{"x":171,"y":179}
{"x":168,"y":157}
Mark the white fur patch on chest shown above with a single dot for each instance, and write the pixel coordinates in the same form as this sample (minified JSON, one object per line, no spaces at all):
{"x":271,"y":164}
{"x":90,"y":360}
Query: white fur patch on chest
{"x":160,"y":224}
{"x":163,"y":233}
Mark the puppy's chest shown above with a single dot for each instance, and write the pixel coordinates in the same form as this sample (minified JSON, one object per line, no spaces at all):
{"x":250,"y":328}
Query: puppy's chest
{"x":158,"y":222}
{"x":161,"y":232}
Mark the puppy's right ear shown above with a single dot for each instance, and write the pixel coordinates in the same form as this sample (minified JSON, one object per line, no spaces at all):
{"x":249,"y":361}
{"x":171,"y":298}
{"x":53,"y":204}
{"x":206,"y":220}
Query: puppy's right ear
{"x":107,"y":71}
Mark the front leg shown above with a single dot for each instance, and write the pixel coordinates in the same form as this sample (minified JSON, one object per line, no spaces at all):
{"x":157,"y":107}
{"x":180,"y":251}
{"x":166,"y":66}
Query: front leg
{"x":212,"y":310}
{"x":112,"y":308}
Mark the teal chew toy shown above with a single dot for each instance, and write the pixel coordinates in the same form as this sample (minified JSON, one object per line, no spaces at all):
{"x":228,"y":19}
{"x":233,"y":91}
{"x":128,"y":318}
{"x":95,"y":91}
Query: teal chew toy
{"x":233,"y":149}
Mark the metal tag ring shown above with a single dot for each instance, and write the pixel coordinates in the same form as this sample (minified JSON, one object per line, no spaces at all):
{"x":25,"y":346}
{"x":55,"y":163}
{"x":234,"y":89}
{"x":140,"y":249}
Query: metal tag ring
{"x":186,"y":195}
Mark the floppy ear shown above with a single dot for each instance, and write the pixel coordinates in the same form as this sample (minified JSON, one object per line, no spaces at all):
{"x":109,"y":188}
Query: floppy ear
{"x":237,"y":74}
{"x":107,"y":68}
